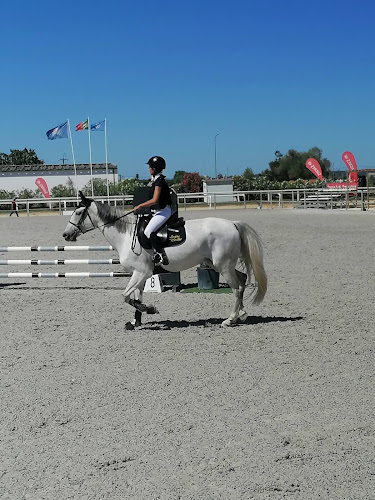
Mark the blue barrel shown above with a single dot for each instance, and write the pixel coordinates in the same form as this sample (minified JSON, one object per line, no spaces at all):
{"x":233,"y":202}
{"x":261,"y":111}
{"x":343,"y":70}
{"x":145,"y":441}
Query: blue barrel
{"x":208,"y":279}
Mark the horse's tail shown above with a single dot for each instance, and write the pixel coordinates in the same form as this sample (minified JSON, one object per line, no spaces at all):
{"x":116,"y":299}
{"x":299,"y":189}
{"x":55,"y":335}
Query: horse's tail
{"x":252,"y":255}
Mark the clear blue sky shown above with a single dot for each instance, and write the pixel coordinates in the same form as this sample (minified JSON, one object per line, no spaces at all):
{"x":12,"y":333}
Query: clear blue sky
{"x":170,"y":75}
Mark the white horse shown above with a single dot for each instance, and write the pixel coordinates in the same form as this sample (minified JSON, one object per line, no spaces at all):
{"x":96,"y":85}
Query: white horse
{"x":218,"y":242}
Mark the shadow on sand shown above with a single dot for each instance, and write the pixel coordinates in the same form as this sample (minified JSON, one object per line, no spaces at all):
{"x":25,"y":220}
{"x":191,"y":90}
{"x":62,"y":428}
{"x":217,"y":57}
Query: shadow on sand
{"x":251,"y":320}
{"x":4,"y":285}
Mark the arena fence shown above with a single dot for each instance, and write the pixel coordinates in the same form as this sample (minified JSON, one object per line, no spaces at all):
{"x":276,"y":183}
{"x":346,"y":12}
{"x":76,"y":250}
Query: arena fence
{"x":363,"y":198}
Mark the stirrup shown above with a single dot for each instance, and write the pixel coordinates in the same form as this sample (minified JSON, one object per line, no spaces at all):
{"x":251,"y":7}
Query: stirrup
{"x":160,"y":258}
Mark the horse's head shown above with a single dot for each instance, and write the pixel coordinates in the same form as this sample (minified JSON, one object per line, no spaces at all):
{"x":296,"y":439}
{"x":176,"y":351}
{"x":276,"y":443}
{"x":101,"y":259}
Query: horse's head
{"x":80,"y":222}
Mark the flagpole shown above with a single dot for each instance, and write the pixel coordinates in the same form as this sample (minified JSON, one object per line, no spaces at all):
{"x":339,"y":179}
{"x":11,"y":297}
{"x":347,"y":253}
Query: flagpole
{"x":106,"y":156}
{"x":92,"y":179}
{"x":74,"y":161}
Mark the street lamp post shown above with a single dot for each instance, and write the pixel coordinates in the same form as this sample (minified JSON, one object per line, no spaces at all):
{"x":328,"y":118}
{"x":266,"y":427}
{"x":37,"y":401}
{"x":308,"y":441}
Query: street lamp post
{"x":215,"y":156}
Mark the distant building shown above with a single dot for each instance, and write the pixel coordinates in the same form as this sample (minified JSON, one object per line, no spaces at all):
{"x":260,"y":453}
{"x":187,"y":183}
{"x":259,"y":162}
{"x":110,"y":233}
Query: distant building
{"x":17,"y":177}
{"x":218,"y":186}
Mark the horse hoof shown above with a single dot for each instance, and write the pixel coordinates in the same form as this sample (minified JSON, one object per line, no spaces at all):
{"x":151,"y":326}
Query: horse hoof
{"x":152,"y":310}
{"x":243,"y":317}
{"x":227,"y":322}
{"x":129,"y":326}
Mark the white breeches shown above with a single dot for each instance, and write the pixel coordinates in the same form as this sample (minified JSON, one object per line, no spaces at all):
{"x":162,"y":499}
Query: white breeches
{"x":158,"y":220}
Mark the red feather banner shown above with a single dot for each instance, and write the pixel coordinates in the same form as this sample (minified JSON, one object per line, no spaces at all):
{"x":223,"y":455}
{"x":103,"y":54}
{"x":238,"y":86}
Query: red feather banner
{"x":314,"y":167}
{"x":349,"y":160}
{"x":42,"y":185}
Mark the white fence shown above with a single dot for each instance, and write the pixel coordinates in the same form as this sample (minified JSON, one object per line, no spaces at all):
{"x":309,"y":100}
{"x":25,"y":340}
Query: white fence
{"x":296,"y":198}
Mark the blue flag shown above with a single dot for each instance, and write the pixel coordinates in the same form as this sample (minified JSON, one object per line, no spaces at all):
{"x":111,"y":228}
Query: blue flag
{"x":59,"y":132}
{"x":98,"y":125}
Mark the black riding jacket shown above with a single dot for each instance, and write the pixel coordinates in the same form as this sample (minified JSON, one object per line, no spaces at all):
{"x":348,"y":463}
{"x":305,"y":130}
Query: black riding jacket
{"x":165,"y":196}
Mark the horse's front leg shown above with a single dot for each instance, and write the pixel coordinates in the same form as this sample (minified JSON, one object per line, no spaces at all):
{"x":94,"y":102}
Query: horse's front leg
{"x":133,"y":296}
{"x":137,"y":321}
{"x":149,"y":309}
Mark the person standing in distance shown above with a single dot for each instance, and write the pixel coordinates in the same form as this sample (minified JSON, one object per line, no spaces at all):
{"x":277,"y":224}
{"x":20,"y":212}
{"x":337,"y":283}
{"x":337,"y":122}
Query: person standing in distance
{"x":160,"y":202}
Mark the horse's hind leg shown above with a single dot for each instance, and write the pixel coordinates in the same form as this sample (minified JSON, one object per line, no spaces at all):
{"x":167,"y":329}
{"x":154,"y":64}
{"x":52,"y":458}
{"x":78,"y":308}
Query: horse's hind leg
{"x":242,"y":315}
{"x":234,"y":282}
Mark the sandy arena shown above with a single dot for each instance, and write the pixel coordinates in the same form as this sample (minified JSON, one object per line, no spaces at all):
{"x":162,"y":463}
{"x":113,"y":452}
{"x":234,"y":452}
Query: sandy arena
{"x":281,"y":407}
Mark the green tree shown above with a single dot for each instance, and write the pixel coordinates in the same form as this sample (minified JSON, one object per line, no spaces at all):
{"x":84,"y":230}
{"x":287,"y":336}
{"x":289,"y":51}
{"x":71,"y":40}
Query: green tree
{"x":292,"y":166}
{"x":20,"y":157}
{"x":371,"y":180}
{"x":240,"y":183}
{"x":248,"y":174}
{"x":4,"y":159}
{"x":177,"y":178}
{"x":127,"y":186}
{"x":100,"y":187}
{"x":6,"y":195}
{"x":262,"y":182}
{"x":62,"y":191}
{"x":244,"y":182}
{"x":28,"y":193}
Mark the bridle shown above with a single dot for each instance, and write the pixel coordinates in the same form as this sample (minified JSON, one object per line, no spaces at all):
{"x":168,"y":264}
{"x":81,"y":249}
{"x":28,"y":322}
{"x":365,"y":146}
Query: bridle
{"x":85,"y":214}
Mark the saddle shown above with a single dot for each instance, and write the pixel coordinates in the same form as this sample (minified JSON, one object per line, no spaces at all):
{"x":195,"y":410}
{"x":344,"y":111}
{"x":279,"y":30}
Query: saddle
{"x":170,"y":234}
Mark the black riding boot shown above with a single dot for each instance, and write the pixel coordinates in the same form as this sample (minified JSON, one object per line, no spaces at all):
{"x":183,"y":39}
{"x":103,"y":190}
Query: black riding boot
{"x":160,"y":257}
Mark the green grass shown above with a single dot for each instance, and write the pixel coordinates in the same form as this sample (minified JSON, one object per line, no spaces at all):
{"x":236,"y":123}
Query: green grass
{"x":215,"y":290}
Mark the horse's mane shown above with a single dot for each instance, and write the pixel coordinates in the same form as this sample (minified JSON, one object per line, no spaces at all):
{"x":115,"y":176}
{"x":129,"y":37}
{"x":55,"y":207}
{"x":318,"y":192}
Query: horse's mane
{"x":114,"y":215}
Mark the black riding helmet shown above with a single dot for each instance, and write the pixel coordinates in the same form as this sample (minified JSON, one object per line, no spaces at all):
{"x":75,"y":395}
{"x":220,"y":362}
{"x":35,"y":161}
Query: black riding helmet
{"x":157,"y":163}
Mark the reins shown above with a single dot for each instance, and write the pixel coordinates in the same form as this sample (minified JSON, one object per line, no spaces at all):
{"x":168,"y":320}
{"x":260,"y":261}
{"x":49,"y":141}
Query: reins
{"x":115,"y":220}
{"x":86,"y":213}
{"x":134,"y":239}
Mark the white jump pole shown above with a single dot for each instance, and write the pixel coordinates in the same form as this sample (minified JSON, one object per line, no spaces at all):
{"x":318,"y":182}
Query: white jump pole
{"x":66,"y":248}
{"x":64,"y":275}
{"x":57,"y":262}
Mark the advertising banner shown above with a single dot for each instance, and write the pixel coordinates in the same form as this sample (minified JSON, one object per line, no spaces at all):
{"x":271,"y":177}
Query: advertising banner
{"x":314,"y":167}
{"x":349,"y":160}
{"x":351,"y":186}
{"x":42,"y":186}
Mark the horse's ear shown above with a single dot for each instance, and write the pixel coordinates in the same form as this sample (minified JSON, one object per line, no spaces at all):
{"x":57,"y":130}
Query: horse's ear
{"x":84,"y":201}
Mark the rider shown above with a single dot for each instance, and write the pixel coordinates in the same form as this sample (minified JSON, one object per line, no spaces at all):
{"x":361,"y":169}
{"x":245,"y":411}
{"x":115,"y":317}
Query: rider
{"x":161,"y":201}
